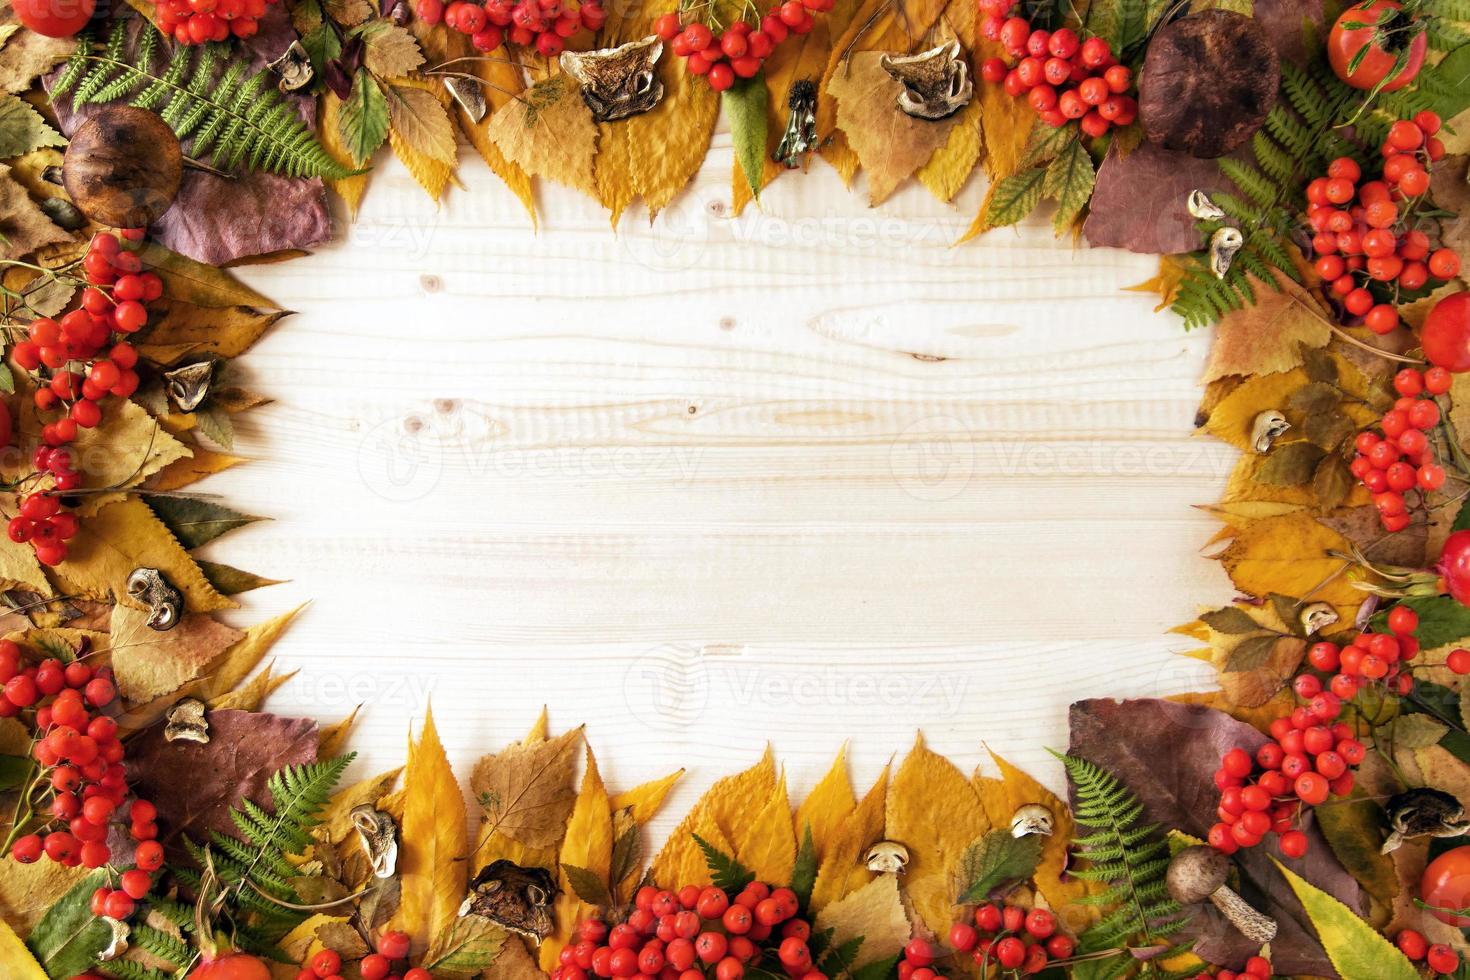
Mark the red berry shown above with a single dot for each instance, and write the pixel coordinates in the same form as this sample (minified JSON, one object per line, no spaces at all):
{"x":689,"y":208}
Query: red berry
{"x":393,"y":945}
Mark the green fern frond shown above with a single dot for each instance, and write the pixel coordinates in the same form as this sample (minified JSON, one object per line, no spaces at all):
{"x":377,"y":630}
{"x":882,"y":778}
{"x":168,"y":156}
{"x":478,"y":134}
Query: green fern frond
{"x":128,"y":970}
{"x":1132,"y":859}
{"x":161,"y":945}
{"x":230,"y":113}
{"x":178,"y":914}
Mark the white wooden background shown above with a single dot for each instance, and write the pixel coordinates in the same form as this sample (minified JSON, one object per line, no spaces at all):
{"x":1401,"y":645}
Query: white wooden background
{"x":808,"y":476}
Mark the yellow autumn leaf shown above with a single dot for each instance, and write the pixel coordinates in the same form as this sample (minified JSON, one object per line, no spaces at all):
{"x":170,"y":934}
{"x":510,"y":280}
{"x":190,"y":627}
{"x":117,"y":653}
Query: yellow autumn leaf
{"x":1267,"y":336}
{"x":419,"y":143}
{"x":27,"y":891}
{"x":126,"y":535}
{"x":767,"y":844}
{"x":329,"y":133}
{"x":873,"y":913}
{"x":949,"y":168}
{"x":336,"y":819}
{"x":588,"y":845}
{"x":190,"y":469}
{"x":1290,"y":555}
{"x":646,"y":800}
{"x":301,"y":943}
{"x":431,"y":863}
{"x":1165,"y":285}
{"x":827,"y":808}
{"x":126,"y":449}
{"x":16,"y":962}
{"x":730,"y":802}
{"x":841,"y":869}
{"x":242,"y":658}
{"x":1355,"y":948}
{"x":331,"y":740}
{"x":251,"y":695}
{"x":934,"y":810}
{"x":549,"y":132}
{"x":19,"y":568}
{"x":150,"y":663}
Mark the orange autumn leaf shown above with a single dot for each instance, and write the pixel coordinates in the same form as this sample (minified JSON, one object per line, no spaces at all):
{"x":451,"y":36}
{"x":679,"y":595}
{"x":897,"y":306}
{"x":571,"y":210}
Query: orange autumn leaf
{"x":431,"y":861}
{"x":1268,"y":335}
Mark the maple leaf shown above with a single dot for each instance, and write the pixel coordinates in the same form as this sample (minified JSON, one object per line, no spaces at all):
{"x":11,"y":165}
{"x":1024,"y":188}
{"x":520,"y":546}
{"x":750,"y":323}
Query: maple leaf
{"x":550,"y":133}
{"x":873,"y":914}
{"x":431,"y":863}
{"x":936,"y":812}
{"x":890,"y":143}
{"x":1267,"y":337}
{"x":194,"y":786}
{"x":586,"y":846}
{"x":527,"y":791}
{"x":150,"y":663}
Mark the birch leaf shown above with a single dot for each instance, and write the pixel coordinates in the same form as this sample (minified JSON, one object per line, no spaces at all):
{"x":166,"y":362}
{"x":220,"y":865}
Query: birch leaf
{"x":422,"y":122}
{"x":150,"y":663}
{"x":550,"y":133}
{"x":389,"y":51}
{"x":430,"y":860}
{"x":729,"y":803}
{"x":419,"y":144}
{"x":841,"y":868}
{"x":947,"y":171}
{"x":27,"y":55}
{"x":22,"y":128}
{"x":1267,"y":336}
{"x":17,"y":961}
{"x":1354,"y":947}
{"x":330,"y":134}
{"x":527,"y":791}
{"x":362,"y":121}
{"x":646,"y":800}
{"x":874,"y":914}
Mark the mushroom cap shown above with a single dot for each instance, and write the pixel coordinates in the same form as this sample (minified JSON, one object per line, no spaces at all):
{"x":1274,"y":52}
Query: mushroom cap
{"x":1207,"y":83}
{"x":123,"y":167}
{"x":1195,"y":873}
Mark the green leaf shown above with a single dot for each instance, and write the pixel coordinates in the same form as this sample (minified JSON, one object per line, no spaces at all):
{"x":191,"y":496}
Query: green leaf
{"x":1013,"y":198}
{"x":1251,"y":653}
{"x":1452,"y":81}
{"x":195,"y":520}
{"x":15,"y":770}
{"x":22,"y":128}
{"x":1352,"y":827}
{"x":1355,"y":948}
{"x":7,"y":379}
{"x":587,"y":885}
{"x":469,"y":946}
{"x":1442,"y":620}
{"x":1048,"y":141}
{"x":214,"y":422}
{"x":996,"y":859}
{"x":726,"y":872}
{"x":1068,"y":181}
{"x":1417,"y":731}
{"x":69,"y":937}
{"x":804,"y":873}
{"x":745,"y":106}
{"x":1462,"y":519}
{"x":1290,"y":465}
{"x":1231,"y":619}
{"x":363,"y":120}
{"x":228,"y":580}
{"x":876,"y":970}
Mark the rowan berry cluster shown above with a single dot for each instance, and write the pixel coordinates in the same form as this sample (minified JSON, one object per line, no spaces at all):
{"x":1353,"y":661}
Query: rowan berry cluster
{"x":1307,"y":760}
{"x":544,"y":23}
{"x":741,"y":49}
{"x":1256,"y":968}
{"x":80,"y":787}
{"x":203,"y":21}
{"x":79,"y":361}
{"x":1399,"y":458}
{"x":1006,"y":936}
{"x":1438,"y":957}
{"x":392,"y":948}
{"x":695,"y":933}
{"x":1062,"y":76}
{"x":1363,"y":233}
{"x":1371,"y":658}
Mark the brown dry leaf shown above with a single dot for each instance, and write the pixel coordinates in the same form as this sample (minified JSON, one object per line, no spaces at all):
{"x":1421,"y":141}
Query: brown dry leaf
{"x":550,"y":133}
{"x":329,"y":133}
{"x":126,"y":535}
{"x":188,"y":470}
{"x":873,"y":913}
{"x":24,"y":227}
{"x":841,"y":869}
{"x":421,"y":137}
{"x":527,"y":791}
{"x":389,"y":51}
{"x":729,"y":803}
{"x":1267,"y":337}
{"x":646,"y":800}
{"x":767,"y":844}
{"x":1254,"y":687}
{"x":587,"y":844}
{"x":431,"y":862}
{"x":18,"y":565}
{"x":827,"y":808}
{"x":1289,"y":555}
{"x":180,"y":328}
{"x":937,"y":814}
{"x":1165,"y":285}
{"x":890,"y":144}
{"x":150,"y":663}
{"x":1450,"y":189}
{"x":27,"y":55}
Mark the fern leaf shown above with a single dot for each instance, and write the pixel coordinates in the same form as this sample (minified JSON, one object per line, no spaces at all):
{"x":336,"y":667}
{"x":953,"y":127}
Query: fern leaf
{"x":76,"y":66}
{"x":129,"y":970}
{"x":95,"y":81}
{"x":162,"y":945}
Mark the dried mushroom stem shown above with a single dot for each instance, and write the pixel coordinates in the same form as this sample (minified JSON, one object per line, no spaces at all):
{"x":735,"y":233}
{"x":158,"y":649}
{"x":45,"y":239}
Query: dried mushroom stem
{"x":1198,"y":874}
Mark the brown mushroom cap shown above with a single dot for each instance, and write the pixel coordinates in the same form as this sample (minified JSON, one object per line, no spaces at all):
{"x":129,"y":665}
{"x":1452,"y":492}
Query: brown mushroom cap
{"x":1207,"y":83}
{"x":1195,"y":873}
{"x":123,"y":167}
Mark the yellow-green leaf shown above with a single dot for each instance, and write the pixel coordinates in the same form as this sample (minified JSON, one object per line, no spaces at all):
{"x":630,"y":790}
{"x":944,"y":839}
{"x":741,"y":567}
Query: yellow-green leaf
{"x":1355,"y":948}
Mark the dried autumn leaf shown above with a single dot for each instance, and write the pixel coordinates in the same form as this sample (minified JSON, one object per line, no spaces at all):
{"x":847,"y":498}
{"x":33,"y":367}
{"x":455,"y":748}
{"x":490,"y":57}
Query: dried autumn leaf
{"x":194,"y":786}
{"x":126,"y":449}
{"x":18,"y":962}
{"x":1449,"y":186}
{"x":1267,"y":336}
{"x":28,"y":55}
{"x":1355,"y":948}
{"x":1289,"y":555}
{"x":767,"y":844}
{"x":126,"y":535}
{"x":890,"y":144}
{"x":190,"y":469}
{"x":419,"y":140}
{"x":336,"y":819}
{"x":646,"y":800}
{"x":934,"y":810}
{"x":827,"y":808}
{"x":329,"y":134}
{"x":550,"y":133}
{"x":1017,"y":789}
{"x":1165,"y":285}
{"x":873,"y":914}
{"x":28,"y":891}
{"x":389,"y":51}
{"x":150,"y":663}
{"x":527,"y":791}
{"x":729,"y":803}
{"x":841,"y":869}
{"x":1353,"y":828}
{"x":23,"y":129}
{"x":431,"y":862}
{"x":587,"y":846}
{"x":251,"y":695}
{"x":24,"y":227}
{"x":19,"y":568}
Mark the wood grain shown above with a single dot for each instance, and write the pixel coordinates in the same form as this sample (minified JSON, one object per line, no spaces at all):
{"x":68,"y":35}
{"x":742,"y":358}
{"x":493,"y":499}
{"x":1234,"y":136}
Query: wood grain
{"x":806,"y":476}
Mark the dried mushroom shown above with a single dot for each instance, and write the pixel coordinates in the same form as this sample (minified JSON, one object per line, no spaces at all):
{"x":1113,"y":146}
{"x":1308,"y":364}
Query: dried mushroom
{"x":1207,"y":83}
{"x":165,"y":603}
{"x":185,"y":722}
{"x":800,"y":137}
{"x":513,"y":897}
{"x":188,"y":386}
{"x":1032,"y":818}
{"x":1224,"y":244}
{"x":294,"y":67}
{"x":123,"y":167}
{"x":1267,"y":426}
{"x":887,"y":857}
{"x":379,"y":836}
{"x":1318,"y":616}
{"x":618,"y":82}
{"x":1423,"y":812}
{"x":936,"y":83}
